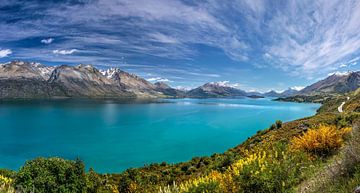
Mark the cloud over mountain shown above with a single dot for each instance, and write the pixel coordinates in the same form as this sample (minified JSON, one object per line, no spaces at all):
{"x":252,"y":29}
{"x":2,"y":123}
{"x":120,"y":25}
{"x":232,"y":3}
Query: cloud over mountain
{"x":5,"y":53}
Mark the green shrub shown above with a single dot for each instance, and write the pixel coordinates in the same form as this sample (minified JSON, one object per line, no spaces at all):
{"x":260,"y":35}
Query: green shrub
{"x":51,"y":175}
{"x":278,"y":124}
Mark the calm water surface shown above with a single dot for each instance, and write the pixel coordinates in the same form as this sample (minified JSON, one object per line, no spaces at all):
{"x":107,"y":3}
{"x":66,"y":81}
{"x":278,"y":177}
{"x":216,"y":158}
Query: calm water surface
{"x":113,"y":136}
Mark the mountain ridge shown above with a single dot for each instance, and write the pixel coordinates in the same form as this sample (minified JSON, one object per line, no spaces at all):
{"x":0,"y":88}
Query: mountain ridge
{"x":19,"y":79}
{"x":335,"y":83}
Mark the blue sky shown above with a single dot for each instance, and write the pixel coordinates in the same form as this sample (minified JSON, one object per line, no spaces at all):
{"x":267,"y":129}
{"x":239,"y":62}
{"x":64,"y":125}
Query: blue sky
{"x":252,"y":44}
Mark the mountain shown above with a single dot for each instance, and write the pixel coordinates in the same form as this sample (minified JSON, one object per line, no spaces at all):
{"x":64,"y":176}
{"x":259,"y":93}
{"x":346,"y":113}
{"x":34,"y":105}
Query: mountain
{"x":337,"y":83}
{"x":85,"y":81}
{"x":131,"y":82}
{"x":286,"y":93}
{"x":289,"y":92}
{"x":330,"y":87}
{"x":20,"y":79}
{"x":215,"y":90}
{"x":272,"y":93}
{"x":167,"y":90}
{"x":30,"y":70}
{"x":24,"y":80}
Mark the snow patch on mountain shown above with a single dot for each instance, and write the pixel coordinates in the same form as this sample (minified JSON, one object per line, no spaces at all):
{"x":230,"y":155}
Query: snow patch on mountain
{"x":338,"y":73}
{"x":45,"y":71}
{"x":109,"y":72}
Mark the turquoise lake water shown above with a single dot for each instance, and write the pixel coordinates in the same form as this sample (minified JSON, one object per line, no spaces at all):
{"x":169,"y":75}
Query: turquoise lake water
{"x":112,"y":136}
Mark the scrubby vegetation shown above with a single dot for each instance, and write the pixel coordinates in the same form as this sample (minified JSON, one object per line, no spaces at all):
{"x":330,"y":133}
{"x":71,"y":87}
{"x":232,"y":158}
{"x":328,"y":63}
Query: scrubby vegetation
{"x":313,"y":154}
{"x":321,"y":141}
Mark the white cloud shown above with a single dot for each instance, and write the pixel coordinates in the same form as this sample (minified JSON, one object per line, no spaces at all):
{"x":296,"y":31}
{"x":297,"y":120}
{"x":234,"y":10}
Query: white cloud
{"x":158,"y":79}
{"x":312,"y":38}
{"x":65,"y":52}
{"x":162,"y":38}
{"x":227,"y":83}
{"x":343,"y":66}
{"x":47,"y":41}
{"x":297,"y":87}
{"x":5,"y":53}
{"x":184,"y":88}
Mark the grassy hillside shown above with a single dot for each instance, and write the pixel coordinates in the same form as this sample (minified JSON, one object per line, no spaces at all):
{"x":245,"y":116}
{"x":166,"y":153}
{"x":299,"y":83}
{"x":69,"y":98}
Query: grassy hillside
{"x":286,"y":157}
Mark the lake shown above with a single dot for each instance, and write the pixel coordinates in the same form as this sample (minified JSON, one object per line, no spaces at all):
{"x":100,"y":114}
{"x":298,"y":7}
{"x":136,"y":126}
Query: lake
{"x":111,"y":136}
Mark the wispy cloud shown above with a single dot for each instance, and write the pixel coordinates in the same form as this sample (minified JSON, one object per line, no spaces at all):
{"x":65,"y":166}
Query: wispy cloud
{"x":227,"y":83}
{"x":65,"y":52}
{"x":47,"y":41}
{"x":5,"y":53}
{"x":158,"y":79}
{"x":314,"y":37}
{"x":162,"y":38}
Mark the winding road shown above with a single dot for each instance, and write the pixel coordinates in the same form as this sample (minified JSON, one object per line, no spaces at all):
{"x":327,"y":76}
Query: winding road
{"x":340,"y":108}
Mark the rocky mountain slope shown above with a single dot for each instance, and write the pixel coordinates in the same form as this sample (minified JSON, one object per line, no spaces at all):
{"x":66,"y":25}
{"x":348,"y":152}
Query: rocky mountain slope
{"x":330,"y":87}
{"x":85,"y":81}
{"x":132,"y":83}
{"x":215,"y":90}
{"x":20,"y":79}
{"x":167,"y":90}
{"x":336,"y":83}
{"x":24,"y":80}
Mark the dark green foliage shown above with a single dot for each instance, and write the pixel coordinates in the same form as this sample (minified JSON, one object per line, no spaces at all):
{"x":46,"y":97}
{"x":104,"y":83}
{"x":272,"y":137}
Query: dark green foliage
{"x":278,"y":124}
{"x":272,"y":127}
{"x":55,"y":175}
{"x":127,"y":178}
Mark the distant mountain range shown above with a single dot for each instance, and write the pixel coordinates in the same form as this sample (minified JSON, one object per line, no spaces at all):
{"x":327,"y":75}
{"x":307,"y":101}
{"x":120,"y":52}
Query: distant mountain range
{"x":20,"y":79}
{"x":286,"y":93}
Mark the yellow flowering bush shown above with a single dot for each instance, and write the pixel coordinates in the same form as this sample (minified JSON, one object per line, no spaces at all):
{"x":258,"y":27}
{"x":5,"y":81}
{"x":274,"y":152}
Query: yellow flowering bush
{"x":321,"y":141}
{"x":6,"y":184}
